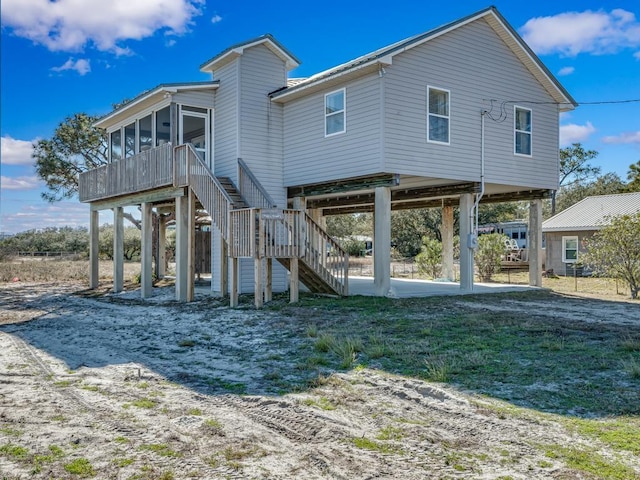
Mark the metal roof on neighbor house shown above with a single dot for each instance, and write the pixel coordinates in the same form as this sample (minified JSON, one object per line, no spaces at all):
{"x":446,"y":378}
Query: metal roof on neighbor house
{"x":592,"y":213}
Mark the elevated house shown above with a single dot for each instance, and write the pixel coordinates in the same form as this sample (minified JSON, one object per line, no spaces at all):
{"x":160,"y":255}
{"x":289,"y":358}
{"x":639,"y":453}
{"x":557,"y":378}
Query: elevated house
{"x":567,"y":231}
{"x":461,"y":114}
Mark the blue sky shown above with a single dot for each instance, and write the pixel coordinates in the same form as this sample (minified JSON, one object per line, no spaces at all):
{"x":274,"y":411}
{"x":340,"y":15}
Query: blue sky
{"x":69,"y":56}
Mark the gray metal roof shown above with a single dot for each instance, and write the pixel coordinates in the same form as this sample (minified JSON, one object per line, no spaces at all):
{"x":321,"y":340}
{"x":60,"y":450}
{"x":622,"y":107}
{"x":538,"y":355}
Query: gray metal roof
{"x":592,"y":213}
{"x":514,"y":41}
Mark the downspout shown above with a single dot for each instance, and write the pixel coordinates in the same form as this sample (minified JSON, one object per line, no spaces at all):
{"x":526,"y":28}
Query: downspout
{"x":479,"y":195}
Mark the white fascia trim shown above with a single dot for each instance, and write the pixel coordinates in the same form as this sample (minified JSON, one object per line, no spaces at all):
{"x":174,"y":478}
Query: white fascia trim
{"x":569,"y":104}
{"x":157,"y":91}
{"x":330,"y":77}
{"x":236,"y":52}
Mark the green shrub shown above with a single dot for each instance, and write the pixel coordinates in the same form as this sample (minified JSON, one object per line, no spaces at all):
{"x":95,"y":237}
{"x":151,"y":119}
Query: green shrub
{"x":488,"y":256}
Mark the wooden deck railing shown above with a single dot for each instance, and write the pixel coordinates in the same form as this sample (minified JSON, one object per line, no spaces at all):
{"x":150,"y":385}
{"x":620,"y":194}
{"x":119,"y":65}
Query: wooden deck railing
{"x":251,"y":189}
{"x":327,"y":258}
{"x":144,"y":171}
{"x":275,"y":233}
{"x":190,"y":170}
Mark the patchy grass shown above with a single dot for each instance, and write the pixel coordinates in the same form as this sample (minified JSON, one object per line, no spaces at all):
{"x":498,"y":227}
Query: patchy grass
{"x":381,"y":447}
{"x":568,"y":367}
{"x":589,"y":461}
{"x":81,"y":467}
{"x":160,"y":449}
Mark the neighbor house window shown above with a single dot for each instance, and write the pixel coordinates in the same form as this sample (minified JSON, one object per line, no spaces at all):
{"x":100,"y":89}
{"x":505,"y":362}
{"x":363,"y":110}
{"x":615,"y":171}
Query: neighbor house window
{"x":438,"y":117}
{"x":569,"y":249}
{"x":522,"y":128}
{"x":334,"y":113}
{"x":116,"y":145}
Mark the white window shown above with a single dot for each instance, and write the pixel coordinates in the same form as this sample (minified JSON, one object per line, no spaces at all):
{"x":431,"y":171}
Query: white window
{"x":522,"y":131}
{"x":438,"y":115}
{"x":335,"y":113}
{"x":569,"y":249}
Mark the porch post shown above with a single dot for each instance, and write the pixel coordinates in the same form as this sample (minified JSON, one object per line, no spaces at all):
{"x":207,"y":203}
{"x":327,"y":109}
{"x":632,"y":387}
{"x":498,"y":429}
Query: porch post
{"x":233,"y":295}
{"x":191,"y":242}
{"x":118,"y":250}
{"x":94,"y":239}
{"x":146,"y":281}
{"x":224,"y":265}
{"x":382,"y":242}
{"x":182,"y":247}
{"x":535,"y":243}
{"x":466,"y":252}
{"x":294,"y":281}
{"x":447,"y":243}
{"x":268,"y":287}
{"x":161,"y":267}
{"x":257,"y":275}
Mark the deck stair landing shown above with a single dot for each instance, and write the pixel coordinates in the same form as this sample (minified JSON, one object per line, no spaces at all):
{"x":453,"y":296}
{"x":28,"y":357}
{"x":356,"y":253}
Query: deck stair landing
{"x":258,"y":232}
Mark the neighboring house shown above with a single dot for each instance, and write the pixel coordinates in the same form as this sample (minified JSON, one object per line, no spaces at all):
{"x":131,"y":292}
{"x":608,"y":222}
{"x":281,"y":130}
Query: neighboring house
{"x":515,"y":230}
{"x":567,"y":231}
{"x":460,"y":114}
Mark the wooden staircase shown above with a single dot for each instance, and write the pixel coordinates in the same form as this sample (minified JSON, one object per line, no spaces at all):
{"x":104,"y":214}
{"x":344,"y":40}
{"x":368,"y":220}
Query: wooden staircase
{"x":256,"y":230}
{"x":237,"y":201}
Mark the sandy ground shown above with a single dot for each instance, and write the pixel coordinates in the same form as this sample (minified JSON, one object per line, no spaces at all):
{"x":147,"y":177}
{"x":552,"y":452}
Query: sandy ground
{"x":142,"y":390}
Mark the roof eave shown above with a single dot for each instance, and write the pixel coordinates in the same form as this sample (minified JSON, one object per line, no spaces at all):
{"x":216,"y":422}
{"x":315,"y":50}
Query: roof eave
{"x":159,"y":92}
{"x":235,"y":51}
{"x":557,"y":91}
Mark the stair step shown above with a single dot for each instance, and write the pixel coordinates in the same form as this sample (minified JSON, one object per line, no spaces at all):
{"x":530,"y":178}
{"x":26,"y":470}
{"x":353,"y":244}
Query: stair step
{"x":232,"y":191}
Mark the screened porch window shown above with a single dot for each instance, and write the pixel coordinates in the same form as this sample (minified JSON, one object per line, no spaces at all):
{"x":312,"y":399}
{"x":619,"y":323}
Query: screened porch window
{"x":334,"y":113}
{"x":522,"y":127}
{"x":116,"y":145}
{"x":130,"y":140}
{"x":163,"y":126}
{"x":146,"y":134}
{"x":438,"y":117}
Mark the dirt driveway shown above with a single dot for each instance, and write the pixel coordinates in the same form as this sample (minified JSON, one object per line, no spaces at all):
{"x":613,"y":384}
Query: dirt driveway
{"x":112,"y":387}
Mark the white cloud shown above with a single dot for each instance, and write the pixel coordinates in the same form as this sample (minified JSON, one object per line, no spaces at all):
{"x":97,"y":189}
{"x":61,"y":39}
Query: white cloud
{"x":566,"y":71}
{"x":572,"y":133}
{"x":82,"y":66}
{"x":636,"y":55}
{"x":70,"y":25}
{"x":216,"y":19}
{"x":16,"y":152}
{"x":572,"y":33}
{"x":626,"y":137}
{"x":19,"y":183}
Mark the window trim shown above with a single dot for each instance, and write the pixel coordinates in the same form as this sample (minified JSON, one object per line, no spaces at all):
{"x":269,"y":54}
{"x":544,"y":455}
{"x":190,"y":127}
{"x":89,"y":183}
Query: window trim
{"x":343,"y":112}
{"x":515,"y":131}
{"x":448,"y":117}
{"x":564,"y":249}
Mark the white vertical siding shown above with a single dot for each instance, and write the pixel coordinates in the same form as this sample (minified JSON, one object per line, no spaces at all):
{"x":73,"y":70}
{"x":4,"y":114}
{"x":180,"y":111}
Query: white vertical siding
{"x":261,"y":120}
{"x":310,"y":157}
{"x":225,"y":129}
{"x":476,"y":66}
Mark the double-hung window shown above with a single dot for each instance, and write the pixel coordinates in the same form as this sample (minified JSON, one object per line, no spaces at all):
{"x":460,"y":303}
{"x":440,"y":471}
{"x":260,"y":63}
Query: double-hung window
{"x":335,"y":112}
{"x":522,"y":131}
{"x":569,"y":249}
{"x":438,"y":115}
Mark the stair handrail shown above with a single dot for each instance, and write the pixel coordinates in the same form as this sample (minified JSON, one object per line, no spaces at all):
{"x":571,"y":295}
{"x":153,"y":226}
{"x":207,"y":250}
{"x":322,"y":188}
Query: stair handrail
{"x":190,"y":170}
{"x":332,"y":261}
{"x":251,"y":189}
